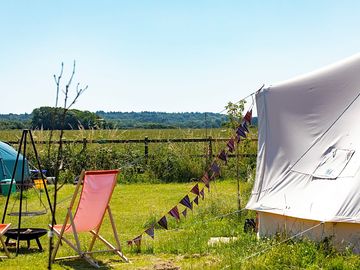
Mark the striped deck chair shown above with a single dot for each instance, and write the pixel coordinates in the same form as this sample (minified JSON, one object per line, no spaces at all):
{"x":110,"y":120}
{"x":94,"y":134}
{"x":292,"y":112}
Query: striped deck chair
{"x":92,"y":206}
{"x":3,"y":229}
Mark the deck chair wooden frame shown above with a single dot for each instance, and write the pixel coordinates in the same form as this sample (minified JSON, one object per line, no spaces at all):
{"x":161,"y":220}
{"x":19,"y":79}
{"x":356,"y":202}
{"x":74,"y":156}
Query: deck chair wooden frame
{"x":3,"y":229}
{"x":70,"y":222}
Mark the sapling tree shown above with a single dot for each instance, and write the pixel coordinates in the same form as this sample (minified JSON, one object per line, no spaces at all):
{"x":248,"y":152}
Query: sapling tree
{"x":60,"y":114}
{"x":234,"y":112}
{"x":235,"y":115}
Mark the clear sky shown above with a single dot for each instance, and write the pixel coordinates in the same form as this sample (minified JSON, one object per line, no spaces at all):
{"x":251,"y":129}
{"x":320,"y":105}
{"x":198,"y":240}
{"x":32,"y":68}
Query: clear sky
{"x":172,"y":56}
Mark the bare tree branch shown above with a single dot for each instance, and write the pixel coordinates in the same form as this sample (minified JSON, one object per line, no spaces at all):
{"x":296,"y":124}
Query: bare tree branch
{"x":57,"y":81}
{"x":67,"y":87}
{"x":78,"y":94}
{"x":59,"y":158}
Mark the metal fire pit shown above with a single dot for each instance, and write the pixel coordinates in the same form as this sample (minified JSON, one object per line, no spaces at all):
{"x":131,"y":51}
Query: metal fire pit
{"x":26,"y":234}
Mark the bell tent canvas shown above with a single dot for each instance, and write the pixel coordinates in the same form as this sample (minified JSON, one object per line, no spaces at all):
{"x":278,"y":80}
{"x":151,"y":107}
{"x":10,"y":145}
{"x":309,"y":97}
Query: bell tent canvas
{"x":7,"y":163}
{"x":307,"y":174}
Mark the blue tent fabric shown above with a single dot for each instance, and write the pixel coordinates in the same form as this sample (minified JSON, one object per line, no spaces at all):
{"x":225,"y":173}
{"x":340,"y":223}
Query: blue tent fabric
{"x":7,"y":163}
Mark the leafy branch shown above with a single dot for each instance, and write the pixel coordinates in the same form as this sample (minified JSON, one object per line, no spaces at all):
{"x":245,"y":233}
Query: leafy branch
{"x":234,"y":112}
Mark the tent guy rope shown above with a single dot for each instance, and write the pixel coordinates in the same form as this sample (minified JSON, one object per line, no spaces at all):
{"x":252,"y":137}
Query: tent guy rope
{"x":272,"y":246}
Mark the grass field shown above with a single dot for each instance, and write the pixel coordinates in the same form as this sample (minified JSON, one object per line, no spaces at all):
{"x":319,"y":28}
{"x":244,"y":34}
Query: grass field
{"x":185,"y":245}
{"x":11,"y":135}
{"x":165,"y":161}
{"x":135,"y":206}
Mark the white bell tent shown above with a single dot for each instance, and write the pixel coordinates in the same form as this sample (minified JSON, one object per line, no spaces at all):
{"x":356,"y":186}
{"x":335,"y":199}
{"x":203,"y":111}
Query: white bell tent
{"x":309,"y":156}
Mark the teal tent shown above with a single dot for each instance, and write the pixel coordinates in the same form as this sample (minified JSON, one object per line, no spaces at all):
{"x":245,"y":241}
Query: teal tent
{"x":7,"y":163}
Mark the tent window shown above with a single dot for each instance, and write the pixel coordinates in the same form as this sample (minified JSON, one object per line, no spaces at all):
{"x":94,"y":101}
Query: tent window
{"x":333,"y":163}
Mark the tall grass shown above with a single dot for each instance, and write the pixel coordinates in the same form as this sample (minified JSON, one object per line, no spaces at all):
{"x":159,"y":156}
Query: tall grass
{"x":167,"y":162}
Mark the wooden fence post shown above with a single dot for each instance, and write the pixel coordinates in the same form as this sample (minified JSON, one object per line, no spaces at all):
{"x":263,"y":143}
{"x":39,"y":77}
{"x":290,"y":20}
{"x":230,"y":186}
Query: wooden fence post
{"x":210,"y":150}
{"x":146,"y":150}
{"x":84,"y":143}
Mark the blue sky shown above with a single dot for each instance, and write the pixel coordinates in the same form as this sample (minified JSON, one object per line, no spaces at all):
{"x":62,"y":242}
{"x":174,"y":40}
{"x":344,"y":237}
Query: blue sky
{"x":172,"y":56}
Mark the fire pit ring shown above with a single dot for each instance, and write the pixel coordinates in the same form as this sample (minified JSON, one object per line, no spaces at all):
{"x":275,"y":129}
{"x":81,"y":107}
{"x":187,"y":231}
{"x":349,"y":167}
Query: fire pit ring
{"x":26,"y":234}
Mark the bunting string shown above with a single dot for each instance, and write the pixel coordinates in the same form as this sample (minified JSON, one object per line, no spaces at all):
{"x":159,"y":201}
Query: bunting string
{"x":211,"y":173}
{"x":250,"y":95}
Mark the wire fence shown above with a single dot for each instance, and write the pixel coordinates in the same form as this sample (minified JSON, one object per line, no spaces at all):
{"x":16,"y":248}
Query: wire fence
{"x":210,"y":141}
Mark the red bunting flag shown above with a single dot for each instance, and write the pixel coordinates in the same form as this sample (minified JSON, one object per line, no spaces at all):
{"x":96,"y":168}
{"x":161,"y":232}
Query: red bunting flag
{"x":248,"y":117}
{"x":163,"y":222}
{"x":195,"y":189}
{"x":231,"y":145}
{"x":137,"y":240}
{"x":174,"y":212}
{"x":205,"y":178}
{"x":150,"y":232}
{"x":202,"y":193}
{"x":196,"y":200}
{"x":130,"y":242}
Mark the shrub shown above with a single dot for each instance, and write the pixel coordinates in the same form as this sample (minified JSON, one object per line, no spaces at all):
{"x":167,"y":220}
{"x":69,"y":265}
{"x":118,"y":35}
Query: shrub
{"x":171,"y":165}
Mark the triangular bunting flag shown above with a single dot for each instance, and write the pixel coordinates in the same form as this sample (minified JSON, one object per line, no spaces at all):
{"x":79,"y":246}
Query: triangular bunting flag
{"x":248,"y":117}
{"x":195,"y":189}
{"x":186,"y":202}
{"x":184,"y":212}
{"x":202,"y":193}
{"x":150,"y":232}
{"x":241,"y":132}
{"x":196,"y":200}
{"x":215,"y":168}
{"x":223,"y":157}
{"x":163,"y":222}
{"x":244,"y":125}
{"x":137,"y":240}
{"x":174,"y":212}
{"x":238,"y":138}
{"x":206,"y":179}
{"x":231,"y":145}
{"x":130,"y":242}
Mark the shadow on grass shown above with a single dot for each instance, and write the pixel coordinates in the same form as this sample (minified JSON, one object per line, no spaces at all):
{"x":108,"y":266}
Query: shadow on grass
{"x":79,"y":264}
{"x":75,"y":263}
{"x":24,"y":250}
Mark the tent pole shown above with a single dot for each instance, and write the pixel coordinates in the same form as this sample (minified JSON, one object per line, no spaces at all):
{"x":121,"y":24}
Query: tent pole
{"x":12,"y":178}
{"x":25,"y":131}
{"x":41,"y":173}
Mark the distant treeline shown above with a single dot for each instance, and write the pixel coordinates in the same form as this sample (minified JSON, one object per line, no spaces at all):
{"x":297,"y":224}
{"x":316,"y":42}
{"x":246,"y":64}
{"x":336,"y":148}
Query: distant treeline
{"x":15,"y":121}
{"x":163,"y":120}
{"x":50,"y":118}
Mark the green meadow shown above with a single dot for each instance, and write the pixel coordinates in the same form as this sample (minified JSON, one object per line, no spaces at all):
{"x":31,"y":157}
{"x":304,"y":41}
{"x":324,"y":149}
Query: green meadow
{"x":144,"y":195}
{"x":185,"y":243}
{"x":12,"y":135}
